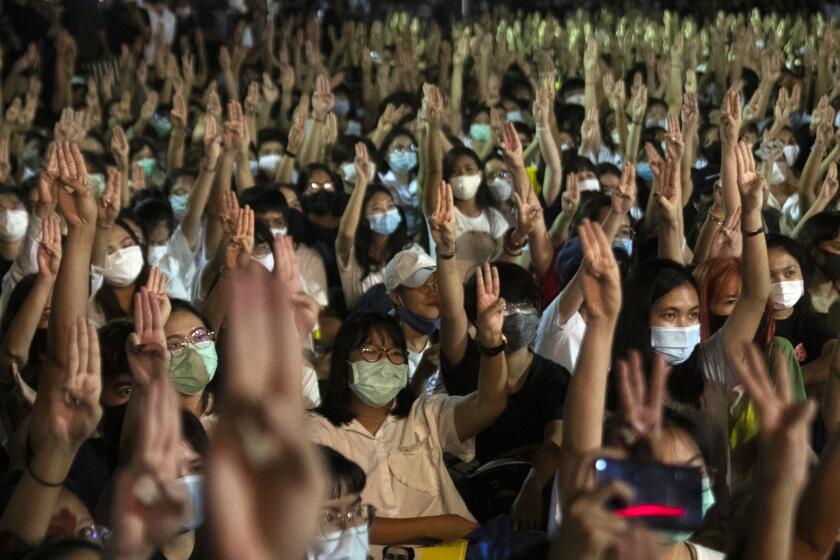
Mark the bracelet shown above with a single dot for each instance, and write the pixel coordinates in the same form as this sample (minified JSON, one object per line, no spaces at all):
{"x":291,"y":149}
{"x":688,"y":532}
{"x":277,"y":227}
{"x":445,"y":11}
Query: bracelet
{"x":752,"y":232}
{"x":321,"y":121}
{"x":509,"y":244}
{"x":204,"y":167}
{"x":290,"y":154}
{"x":37,"y":478}
{"x":445,"y":256}
{"x":715,"y":219}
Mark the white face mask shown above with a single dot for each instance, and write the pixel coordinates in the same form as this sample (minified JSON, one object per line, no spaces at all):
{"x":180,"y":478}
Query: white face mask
{"x":575,"y":99}
{"x":269,"y":164}
{"x":589,"y":185}
{"x":501,"y":189}
{"x":267,"y":261}
{"x":777,"y":175}
{"x":785,"y":295}
{"x":791,"y":153}
{"x":155,"y":253}
{"x":464,"y":187}
{"x":615,"y":135}
{"x":675,"y":344}
{"x":349,"y":544}
{"x":13,"y":224}
{"x":122,"y":267}
{"x":279,"y":231}
{"x":348,"y":171}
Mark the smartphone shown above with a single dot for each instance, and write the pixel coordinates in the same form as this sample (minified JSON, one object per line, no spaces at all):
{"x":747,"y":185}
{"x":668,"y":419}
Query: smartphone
{"x":666,"y":497}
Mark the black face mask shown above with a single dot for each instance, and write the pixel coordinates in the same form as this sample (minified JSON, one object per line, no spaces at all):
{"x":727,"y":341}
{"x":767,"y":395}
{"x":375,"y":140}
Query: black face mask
{"x":716,"y":322}
{"x":323,"y":203}
{"x":831,"y":265}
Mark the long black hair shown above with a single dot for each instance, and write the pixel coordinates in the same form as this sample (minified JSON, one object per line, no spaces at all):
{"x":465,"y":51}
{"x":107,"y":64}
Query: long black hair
{"x":356,"y":329}
{"x":649,"y":282}
{"x":364,"y":235}
{"x":483,"y":198}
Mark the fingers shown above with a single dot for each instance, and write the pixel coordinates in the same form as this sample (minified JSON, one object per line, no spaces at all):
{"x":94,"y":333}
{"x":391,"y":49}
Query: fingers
{"x":659,"y":378}
{"x":139,"y":324}
{"x":72,"y":351}
{"x":84,"y":345}
{"x":94,"y":361}
{"x":783,"y":386}
{"x":480,"y":289}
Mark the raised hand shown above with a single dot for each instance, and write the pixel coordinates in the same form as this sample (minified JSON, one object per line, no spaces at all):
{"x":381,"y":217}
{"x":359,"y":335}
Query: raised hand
{"x":119,"y":147}
{"x":230,"y":212}
{"x":526,"y":215}
{"x":322,"y":99}
{"x":178,"y":114}
{"x":269,"y":89}
{"x":642,"y":397}
{"x":828,"y":190}
{"x":286,"y":277}
{"x":252,"y":99}
{"x":147,"y":110}
{"x":624,"y":196}
{"x":75,"y":199}
{"x":730,"y":118}
{"x":138,"y":178}
{"x":241,"y":244}
{"x":5,"y":164}
{"x":542,"y":105}
{"x":728,"y":239}
{"x":751,"y":185}
{"x":156,"y":286}
{"x":601,"y":280}
{"x":146,"y":351}
{"x":657,"y":164}
{"x":49,"y":250}
{"x":666,"y":195}
{"x":490,"y":307}
{"x":443,"y":219}
{"x":638,"y":101}
{"x":570,"y":199}
{"x":297,"y":133}
{"x":676,"y":146}
{"x":108,"y":205}
{"x":212,"y":142}
{"x":362,"y":163}
{"x":590,"y":133}
{"x":511,"y":146}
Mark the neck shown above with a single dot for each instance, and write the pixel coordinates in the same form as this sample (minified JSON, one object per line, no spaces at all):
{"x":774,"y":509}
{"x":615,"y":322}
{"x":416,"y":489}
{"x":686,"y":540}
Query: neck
{"x":414,"y":340}
{"x":468,"y":207}
{"x":517,"y":364}
{"x":327,"y":221}
{"x":820,"y":284}
{"x":371,"y":417}
{"x":676,"y":552}
{"x":378,"y":247}
{"x":125,"y":296}
{"x":10,"y":249}
{"x":403,"y":177}
{"x":192,"y":403}
{"x":783,"y":314}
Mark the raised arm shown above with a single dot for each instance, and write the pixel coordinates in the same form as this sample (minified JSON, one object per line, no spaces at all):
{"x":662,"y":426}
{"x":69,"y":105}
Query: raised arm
{"x":178,"y":137}
{"x":667,"y":209}
{"x":432,"y":152}
{"x":560,"y":229}
{"x":730,"y":126}
{"x":742,"y":324}
{"x":107,"y":210}
{"x":553,"y":181}
{"x":479,"y":409}
{"x":353,"y":211}
{"x":197,"y":202}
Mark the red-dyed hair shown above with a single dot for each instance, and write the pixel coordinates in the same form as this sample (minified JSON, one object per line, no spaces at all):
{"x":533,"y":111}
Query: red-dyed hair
{"x":712,"y":275}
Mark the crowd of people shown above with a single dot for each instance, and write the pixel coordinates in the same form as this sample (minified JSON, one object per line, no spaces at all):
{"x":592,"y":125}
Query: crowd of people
{"x":350,"y":283}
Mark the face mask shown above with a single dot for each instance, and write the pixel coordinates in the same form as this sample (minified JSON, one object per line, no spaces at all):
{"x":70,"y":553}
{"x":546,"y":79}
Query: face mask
{"x":178,"y":202}
{"x":253,"y":165}
{"x":385,"y":223}
{"x":195,"y":497}
{"x":791,"y":153}
{"x":676,"y":537}
{"x":122,"y":267}
{"x":267,"y":261}
{"x":377,"y":383}
{"x":155,"y":253}
{"x":192,"y":368}
{"x":514,"y":116}
{"x":349,"y":544}
{"x":97,"y":184}
{"x":625,"y":245}
{"x":644,"y":172}
{"x":402,"y":162}
{"x":520,"y":329}
{"x":248,"y":38}
{"x":675,"y":344}
{"x":320,"y":203}
{"x":657,"y":123}
{"x":777,"y":175}
{"x":13,"y":224}
{"x":785,"y":295}
{"x":279,"y":231}
{"x":162,"y":127}
{"x":480,"y":132}
{"x":589,"y":185}
{"x":147,"y":165}
{"x":420,"y":324}
{"x":464,"y":187}
{"x":268,"y":164}
{"x":341,"y":107}
{"x":716,"y":322}
{"x":575,"y":99}
{"x":501,"y":189}
{"x":837,"y":120}
{"x":831,"y":265}
{"x":564,"y":147}
{"x":615,"y":136}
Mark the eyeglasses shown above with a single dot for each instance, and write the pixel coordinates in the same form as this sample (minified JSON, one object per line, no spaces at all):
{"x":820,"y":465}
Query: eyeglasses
{"x":430,"y":286}
{"x":519,"y":308}
{"x":326,"y":187}
{"x":97,"y":534}
{"x":502,"y":174}
{"x":176,"y":344}
{"x":400,"y":150}
{"x":360,"y":516}
{"x":373,"y":353}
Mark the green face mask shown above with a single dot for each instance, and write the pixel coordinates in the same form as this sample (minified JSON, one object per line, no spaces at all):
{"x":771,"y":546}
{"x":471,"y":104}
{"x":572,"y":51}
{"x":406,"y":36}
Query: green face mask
{"x":148,"y":165}
{"x":162,"y":127}
{"x":676,"y":537}
{"x":192,"y":368}
{"x":377,"y":383}
{"x":97,"y":184}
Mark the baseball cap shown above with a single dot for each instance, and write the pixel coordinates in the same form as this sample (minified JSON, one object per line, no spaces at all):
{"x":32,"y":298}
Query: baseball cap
{"x":409,"y":268}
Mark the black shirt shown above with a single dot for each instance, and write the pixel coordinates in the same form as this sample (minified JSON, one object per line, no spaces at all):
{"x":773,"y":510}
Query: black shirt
{"x":5,"y":265}
{"x":538,"y":402}
{"x":807,"y":331}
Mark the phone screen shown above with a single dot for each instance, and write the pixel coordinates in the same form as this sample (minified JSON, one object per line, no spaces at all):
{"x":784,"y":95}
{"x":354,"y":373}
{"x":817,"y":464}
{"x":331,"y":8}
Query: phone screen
{"x":666,"y":497}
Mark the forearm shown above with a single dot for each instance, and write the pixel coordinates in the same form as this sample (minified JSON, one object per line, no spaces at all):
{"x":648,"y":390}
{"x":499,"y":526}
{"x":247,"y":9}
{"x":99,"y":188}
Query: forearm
{"x":772,"y":534}
{"x":191,"y":224}
{"x":433,"y":159}
{"x":670,"y":242}
{"x":554,"y":166}
{"x":457,"y":86}
{"x":729,"y":180}
{"x":704,"y":240}
{"x":22,"y":329}
{"x":285,"y":105}
{"x":818,"y":517}
{"x":285,"y":169}
{"x":674,"y":94}
{"x":633,"y":139}
{"x":542,"y":250}
{"x":243,"y":176}
{"x":560,"y":229}
{"x":221,"y":185}
{"x":309,"y":150}
{"x":175,"y":149}
{"x":386,"y":531}
{"x":611,"y":224}
{"x":350,"y":222}
{"x":231,"y":82}
{"x":755,"y":285}
{"x":100,"y":245}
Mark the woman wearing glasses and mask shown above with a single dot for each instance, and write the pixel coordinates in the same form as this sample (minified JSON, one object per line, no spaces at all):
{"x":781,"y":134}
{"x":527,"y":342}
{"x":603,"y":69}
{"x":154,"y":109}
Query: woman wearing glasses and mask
{"x":370,"y":415}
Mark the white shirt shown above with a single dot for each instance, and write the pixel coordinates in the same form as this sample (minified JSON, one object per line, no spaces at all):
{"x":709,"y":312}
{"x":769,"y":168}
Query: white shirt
{"x":25,"y":263}
{"x":406,"y":476}
{"x":164,"y":22}
{"x":490,"y":221}
{"x":180,"y":265}
{"x":559,"y":342}
{"x":352,"y":283}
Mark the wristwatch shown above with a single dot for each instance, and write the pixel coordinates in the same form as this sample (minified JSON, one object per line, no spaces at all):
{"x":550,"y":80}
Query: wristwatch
{"x":494,"y":350}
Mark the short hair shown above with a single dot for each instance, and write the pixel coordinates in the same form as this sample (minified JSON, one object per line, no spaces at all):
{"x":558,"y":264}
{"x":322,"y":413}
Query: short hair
{"x":344,"y":476}
{"x":517,"y":285}
{"x":822,"y":227}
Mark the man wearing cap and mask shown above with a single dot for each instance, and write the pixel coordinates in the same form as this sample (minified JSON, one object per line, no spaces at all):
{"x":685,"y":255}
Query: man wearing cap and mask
{"x":411,"y":283}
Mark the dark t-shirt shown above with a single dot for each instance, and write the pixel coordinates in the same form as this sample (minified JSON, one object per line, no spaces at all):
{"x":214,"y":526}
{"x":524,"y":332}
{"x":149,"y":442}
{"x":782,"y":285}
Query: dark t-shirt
{"x":5,"y":265}
{"x":538,"y":402}
{"x":807,"y":331}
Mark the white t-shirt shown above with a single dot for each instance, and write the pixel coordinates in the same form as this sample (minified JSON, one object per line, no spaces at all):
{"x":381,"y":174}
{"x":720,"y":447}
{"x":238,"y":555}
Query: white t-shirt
{"x":180,"y":264}
{"x":352,"y":283}
{"x":489,"y":221}
{"x":559,"y":342}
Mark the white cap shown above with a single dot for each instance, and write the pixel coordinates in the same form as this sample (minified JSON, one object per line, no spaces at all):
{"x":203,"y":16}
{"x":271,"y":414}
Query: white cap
{"x":409,"y":268}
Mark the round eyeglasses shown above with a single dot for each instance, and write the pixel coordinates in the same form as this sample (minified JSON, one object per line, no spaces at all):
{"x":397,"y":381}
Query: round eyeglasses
{"x":373,"y":353}
{"x":177,"y":344}
{"x":359,"y":516}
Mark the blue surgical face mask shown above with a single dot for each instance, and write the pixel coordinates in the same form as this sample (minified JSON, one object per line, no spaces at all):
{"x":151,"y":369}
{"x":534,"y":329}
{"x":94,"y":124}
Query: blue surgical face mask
{"x":514,"y":116}
{"x":161,"y":126}
{"x":402,"y":162}
{"x":195,"y":497}
{"x":385,"y":223}
{"x":676,"y":537}
{"x":420,"y":324}
{"x":347,"y":544}
{"x":480,"y":132}
{"x":644,"y":171}
{"x":378,"y":383}
{"x":341,"y":107}
{"x":625,"y":244}
{"x":675,"y":344}
{"x":178,"y":202}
